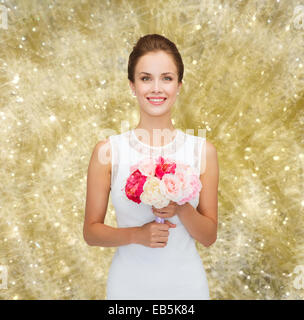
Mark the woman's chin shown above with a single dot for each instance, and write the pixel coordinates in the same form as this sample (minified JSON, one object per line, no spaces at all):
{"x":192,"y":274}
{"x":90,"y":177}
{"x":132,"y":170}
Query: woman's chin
{"x":158,"y":112}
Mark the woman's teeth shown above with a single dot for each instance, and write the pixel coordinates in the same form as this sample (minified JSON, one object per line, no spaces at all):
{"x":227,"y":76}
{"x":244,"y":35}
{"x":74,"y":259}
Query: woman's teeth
{"x":156,"y":101}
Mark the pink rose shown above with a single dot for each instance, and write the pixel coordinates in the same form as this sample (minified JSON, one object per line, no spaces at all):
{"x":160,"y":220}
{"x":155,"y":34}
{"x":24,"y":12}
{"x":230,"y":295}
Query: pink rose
{"x":134,"y":186}
{"x":145,"y":166}
{"x":171,"y":187}
{"x":183,"y":178}
{"x":164,"y":166}
{"x":192,"y":190}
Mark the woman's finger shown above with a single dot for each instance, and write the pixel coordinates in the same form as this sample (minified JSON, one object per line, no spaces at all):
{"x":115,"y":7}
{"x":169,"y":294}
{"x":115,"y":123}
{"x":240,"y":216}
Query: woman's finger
{"x":162,"y":215}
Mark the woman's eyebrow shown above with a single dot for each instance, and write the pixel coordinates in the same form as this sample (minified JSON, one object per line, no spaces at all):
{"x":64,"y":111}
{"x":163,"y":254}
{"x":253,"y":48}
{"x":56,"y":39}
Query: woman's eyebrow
{"x":162,"y":73}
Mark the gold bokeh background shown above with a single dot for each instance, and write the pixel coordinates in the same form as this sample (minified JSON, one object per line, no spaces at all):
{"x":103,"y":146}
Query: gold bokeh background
{"x":63,"y":81}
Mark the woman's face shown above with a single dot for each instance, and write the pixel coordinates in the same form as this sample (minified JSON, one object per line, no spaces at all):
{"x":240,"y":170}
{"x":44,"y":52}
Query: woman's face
{"x":155,"y":76}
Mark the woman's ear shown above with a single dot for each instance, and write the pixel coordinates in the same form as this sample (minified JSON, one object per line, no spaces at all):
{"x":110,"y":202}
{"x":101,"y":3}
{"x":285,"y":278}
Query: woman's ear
{"x":131,"y":84}
{"x":179,"y":86}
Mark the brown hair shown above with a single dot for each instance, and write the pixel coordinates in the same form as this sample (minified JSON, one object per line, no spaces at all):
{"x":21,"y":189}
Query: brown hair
{"x":153,"y":43}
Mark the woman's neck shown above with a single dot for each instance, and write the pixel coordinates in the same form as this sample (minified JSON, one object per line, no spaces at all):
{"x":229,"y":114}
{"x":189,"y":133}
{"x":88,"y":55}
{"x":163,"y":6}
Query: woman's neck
{"x":156,"y":136}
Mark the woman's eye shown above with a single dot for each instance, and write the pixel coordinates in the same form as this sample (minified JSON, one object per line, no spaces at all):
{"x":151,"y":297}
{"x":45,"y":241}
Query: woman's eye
{"x":143,"y":78}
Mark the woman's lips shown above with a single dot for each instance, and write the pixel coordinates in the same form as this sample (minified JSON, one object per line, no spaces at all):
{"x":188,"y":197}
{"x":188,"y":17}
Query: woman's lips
{"x":157,"y":103}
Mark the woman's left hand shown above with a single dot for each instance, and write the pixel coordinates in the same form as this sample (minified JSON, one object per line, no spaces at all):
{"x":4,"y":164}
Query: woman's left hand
{"x":167,"y":212}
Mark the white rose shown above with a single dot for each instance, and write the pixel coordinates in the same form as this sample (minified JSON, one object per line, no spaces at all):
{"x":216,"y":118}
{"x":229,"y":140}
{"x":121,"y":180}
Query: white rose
{"x":152,"y":193}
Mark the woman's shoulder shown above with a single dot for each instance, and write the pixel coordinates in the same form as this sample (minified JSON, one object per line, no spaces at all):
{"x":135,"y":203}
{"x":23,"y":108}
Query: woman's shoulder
{"x":210,"y":147}
{"x":103,"y":153}
{"x":208,"y":155}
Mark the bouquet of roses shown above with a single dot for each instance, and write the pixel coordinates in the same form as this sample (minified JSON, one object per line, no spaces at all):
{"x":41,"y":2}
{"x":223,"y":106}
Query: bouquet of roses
{"x":157,"y":182}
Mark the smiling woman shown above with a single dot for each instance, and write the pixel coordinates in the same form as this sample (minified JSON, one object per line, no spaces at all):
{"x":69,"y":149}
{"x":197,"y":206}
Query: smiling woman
{"x":155,"y":89}
{"x":153,"y":262}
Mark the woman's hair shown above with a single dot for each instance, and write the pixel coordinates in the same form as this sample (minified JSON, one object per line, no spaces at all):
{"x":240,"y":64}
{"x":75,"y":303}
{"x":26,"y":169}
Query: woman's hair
{"x":153,"y":43}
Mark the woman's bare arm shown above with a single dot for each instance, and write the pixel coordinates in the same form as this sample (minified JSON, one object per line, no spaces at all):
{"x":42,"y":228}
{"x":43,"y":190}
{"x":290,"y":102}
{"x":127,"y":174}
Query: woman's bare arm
{"x":202,"y":222}
{"x":95,"y":232}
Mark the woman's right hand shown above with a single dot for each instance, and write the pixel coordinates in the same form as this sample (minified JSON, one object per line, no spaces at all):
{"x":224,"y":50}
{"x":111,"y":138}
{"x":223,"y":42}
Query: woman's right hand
{"x":154,"y":234}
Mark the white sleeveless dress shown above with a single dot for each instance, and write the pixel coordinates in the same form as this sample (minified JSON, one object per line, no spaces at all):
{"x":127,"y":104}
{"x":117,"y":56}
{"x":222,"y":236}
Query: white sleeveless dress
{"x":143,"y":273}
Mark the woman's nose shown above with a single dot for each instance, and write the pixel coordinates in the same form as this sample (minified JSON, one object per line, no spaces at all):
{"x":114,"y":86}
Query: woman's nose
{"x":156,"y":86}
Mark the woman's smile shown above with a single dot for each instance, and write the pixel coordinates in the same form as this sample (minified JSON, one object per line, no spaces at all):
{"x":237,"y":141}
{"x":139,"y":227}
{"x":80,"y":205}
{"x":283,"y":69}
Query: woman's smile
{"x":156,"y":101}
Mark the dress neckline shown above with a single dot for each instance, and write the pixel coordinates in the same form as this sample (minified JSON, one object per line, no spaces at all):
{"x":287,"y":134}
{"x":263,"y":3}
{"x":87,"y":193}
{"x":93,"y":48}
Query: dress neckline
{"x":156,"y":147}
